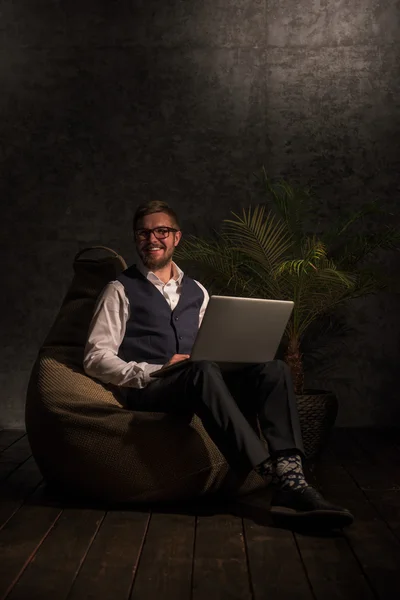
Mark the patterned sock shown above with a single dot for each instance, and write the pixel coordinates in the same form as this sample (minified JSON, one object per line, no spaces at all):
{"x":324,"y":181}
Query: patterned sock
{"x":289,"y":472}
{"x":266,"y":469}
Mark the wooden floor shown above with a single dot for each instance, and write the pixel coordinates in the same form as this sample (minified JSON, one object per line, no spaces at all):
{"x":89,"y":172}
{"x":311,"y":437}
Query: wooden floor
{"x":50,"y":550}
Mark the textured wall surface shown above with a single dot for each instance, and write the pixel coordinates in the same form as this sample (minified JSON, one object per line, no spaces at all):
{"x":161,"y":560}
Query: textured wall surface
{"x":103,"y":105}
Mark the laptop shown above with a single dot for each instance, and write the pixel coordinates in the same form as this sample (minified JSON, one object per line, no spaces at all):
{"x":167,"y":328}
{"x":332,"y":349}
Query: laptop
{"x":237,"y":331}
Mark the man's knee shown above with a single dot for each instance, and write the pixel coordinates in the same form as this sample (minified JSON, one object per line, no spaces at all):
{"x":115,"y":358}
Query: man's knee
{"x":276,"y":369}
{"x":204,"y":366}
{"x":280,"y":364}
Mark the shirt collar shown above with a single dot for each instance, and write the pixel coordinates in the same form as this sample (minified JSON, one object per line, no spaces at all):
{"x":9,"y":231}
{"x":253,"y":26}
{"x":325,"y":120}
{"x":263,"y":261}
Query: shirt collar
{"x":177,"y":273}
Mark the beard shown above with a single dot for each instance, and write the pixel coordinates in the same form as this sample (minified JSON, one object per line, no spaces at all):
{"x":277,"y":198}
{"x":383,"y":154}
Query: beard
{"x":154,"y":262}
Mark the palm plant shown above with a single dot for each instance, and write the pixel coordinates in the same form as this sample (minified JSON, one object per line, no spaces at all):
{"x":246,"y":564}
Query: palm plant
{"x":265,"y":252}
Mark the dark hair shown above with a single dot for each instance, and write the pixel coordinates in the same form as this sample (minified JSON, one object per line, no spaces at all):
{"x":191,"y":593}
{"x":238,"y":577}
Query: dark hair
{"x":154,"y":206}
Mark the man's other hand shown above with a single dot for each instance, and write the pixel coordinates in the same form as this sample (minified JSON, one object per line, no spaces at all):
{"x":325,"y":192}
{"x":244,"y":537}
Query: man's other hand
{"x":176,"y":358}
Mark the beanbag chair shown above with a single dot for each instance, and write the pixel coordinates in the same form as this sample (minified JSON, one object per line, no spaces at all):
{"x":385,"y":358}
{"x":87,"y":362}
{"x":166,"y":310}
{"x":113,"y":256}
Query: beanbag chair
{"x":83,"y":438}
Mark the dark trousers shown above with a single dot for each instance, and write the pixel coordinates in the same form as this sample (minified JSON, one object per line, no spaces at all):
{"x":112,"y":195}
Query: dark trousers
{"x":227,"y":403}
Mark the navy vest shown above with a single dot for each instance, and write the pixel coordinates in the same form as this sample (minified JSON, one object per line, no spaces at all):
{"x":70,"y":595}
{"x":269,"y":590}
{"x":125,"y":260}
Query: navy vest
{"x":154,"y":333}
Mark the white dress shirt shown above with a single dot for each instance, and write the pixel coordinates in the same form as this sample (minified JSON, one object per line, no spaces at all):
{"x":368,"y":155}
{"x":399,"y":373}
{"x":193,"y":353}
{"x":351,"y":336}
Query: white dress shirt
{"x":107,"y":330}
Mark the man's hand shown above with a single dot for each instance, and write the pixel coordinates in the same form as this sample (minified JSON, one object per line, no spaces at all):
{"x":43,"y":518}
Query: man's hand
{"x":176,"y":358}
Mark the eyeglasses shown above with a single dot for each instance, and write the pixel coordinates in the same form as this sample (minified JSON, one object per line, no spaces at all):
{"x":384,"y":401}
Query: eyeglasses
{"x":160,"y":232}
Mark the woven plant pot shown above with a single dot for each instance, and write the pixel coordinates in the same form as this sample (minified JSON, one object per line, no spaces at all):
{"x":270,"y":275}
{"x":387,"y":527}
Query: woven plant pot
{"x":317,"y":412}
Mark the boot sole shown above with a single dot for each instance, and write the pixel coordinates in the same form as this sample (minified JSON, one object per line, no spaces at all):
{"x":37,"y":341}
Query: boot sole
{"x":320,"y":518}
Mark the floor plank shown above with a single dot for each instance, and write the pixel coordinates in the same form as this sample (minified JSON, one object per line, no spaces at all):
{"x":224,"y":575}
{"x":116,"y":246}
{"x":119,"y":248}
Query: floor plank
{"x":165,"y":571}
{"x":52,"y":548}
{"x":220,"y":565}
{"x":275,"y":564}
{"x":379,"y":450}
{"x":20,"y":538}
{"x":370,"y":474}
{"x":332,"y":569}
{"x":379,"y":554}
{"x":17,"y":487}
{"x":13,"y":456}
{"x":53,"y":569}
{"x":111,"y":563}
{"x":9,"y":436}
{"x":380,"y":443}
{"x":373,"y":543}
{"x":387,"y":503}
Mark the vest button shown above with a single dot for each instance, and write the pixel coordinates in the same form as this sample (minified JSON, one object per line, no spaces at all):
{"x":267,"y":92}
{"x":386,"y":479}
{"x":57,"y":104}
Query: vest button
{"x":180,"y":337}
{"x":176,"y":318}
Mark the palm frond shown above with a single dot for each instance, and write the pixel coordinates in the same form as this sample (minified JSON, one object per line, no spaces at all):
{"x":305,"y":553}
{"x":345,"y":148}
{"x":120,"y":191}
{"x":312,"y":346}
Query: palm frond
{"x":313,"y":248}
{"x":330,"y":275}
{"x":223,"y":268}
{"x":344,"y":223}
{"x":366,"y":282}
{"x":290,"y":203}
{"x":315,"y":277}
{"x":313,"y":251}
{"x":262,"y":237}
{"x":358,"y":248}
{"x":295,"y":266}
{"x":316,"y":293}
{"x":330,"y":330}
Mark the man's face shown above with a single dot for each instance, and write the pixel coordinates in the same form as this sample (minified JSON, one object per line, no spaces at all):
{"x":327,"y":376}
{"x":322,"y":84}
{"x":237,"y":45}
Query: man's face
{"x":156,"y":253}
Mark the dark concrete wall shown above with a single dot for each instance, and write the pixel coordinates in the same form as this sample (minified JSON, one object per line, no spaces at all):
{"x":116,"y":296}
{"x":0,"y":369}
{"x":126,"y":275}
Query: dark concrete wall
{"x":103,"y":105}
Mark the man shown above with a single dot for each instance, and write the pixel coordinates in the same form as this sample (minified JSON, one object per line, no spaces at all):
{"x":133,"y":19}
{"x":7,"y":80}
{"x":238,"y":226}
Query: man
{"x":149,"y":318}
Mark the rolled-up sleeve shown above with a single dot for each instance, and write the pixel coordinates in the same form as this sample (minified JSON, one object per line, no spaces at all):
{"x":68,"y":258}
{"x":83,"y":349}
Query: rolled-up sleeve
{"x":106,"y":332}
